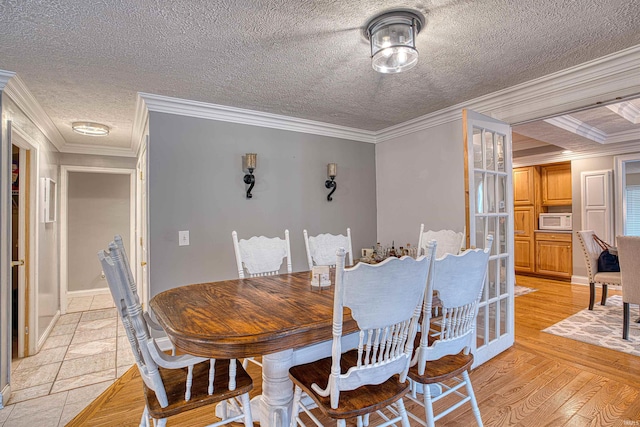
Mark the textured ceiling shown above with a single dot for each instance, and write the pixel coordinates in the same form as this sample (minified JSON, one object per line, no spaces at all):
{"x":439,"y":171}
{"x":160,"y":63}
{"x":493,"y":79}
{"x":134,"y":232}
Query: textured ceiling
{"x":86,"y":60}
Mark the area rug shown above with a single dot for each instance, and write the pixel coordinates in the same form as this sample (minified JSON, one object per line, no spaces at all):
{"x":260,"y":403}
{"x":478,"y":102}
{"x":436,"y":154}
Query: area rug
{"x":601,"y":326}
{"x":522,"y":290}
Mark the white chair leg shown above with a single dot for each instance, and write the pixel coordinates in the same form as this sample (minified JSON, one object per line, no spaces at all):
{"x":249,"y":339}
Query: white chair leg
{"x":246,"y":409}
{"x":187,"y":392}
{"x":160,"y":423}
{"x":428,"y":405}
{"x":212,"y":375}
{"x":342,"y":423}
{"x":295,"y":408}
{"x":232,"y":373}
{"x":472,"y":398}
{"x":402,"y":412}
{"x":144,"y":420}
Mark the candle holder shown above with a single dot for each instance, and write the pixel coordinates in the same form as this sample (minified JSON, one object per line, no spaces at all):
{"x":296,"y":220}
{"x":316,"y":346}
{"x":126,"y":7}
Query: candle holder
{"x":332,"y":171}
{"x":250,"y":160}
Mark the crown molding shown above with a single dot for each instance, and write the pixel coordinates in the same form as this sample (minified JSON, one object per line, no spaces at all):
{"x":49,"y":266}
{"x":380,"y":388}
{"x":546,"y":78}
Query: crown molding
{"x":605,"y":150}
{"x":24,"y":99}
{"x":5,"y":76}
{"x":203,"y":110}
{"x":575,"y":126}
{"x":140,"y":124}
{"x":627,"y":111}
{"x":595,"y":82}
{"x":100,"y":150}
{"x":630,"y":135}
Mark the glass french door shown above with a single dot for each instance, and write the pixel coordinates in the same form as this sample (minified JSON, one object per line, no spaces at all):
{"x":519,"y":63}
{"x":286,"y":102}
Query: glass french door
{"x":490,"y":212}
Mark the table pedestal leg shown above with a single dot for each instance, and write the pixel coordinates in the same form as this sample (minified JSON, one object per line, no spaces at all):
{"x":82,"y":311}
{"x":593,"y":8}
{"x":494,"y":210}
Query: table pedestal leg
{"x":277,"y":389}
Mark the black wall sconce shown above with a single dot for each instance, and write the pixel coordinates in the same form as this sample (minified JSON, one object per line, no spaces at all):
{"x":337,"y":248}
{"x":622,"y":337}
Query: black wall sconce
{"x":332,"y":171}
{"x":250,"y":162}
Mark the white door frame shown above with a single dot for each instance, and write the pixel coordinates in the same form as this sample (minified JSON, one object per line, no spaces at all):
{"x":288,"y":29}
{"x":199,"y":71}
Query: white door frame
{"x":64,"y":218}
{"x":20,"y":139}
{"x":141,"y":247}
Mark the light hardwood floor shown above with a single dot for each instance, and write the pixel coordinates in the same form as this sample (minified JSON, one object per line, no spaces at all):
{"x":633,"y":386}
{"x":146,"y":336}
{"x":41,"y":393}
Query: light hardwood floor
{"x":543,"y":380}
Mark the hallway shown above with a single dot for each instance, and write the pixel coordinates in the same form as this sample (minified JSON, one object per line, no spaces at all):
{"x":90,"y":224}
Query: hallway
{"x":84,"y":354}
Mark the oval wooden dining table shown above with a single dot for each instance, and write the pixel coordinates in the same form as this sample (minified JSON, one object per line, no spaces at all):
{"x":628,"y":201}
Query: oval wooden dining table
{"x":281,"y":318}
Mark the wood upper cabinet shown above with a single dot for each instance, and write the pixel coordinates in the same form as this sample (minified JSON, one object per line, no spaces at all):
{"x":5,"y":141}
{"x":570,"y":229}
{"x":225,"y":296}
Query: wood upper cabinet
{"x":524,"y":186}
{"x":554,"y":254}
{"x":556,"y":184}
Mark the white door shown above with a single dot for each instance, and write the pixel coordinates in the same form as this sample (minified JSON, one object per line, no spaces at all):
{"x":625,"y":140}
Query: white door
{"x":490,"y":211}
{"x":597,"y":204}
{"x":142,"y":276}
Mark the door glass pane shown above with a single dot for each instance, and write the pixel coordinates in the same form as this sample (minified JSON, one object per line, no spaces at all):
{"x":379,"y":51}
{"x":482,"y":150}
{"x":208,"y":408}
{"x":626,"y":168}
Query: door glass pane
{"x":481,"y":329}
{"x":480,"y":192}
{"x":477,"y":148}
{"x":500,"y":152}
{"x":503,"y":316}
{"x":480,"y":231}
{"x":502,"y":193}
{"x":492,"y":320}
{"x":488,"y":148}
{"x":491,"y":193}
{"x":503,"y":275}
{"x":492,"y":278}
{"x":491,"y":222}
{"x":502,"y":234}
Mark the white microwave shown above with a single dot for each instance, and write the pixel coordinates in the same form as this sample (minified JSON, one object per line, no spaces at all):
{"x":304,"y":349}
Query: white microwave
{"x":555,"y":221}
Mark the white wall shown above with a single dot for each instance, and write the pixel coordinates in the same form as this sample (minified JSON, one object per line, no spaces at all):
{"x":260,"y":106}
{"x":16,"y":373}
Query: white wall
{"x":420,"y":179}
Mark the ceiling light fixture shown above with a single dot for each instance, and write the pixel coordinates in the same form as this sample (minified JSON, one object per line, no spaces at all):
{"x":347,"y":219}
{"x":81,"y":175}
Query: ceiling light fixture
{"x":393,"y":40}
{"x":90,"y":128}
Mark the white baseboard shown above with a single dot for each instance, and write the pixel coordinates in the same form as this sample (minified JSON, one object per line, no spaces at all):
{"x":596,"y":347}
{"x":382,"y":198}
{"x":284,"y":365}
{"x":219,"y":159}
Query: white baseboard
{"x":87,"y":293}
{"x":6,"y":391}
{"x":579,"y":280}
{"x":47,"y":331}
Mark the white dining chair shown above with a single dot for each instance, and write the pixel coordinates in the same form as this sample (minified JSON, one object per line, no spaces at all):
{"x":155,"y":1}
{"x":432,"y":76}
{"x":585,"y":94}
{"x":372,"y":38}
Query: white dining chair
{"x":371,"y":378}
{"x":448,"y":241}
{"x":260,"y":255}
{"x":629,"y":257}
{"x":173,"y":384}
{"x":591,"y":251}
{"x":443,"y":355}
{"x":321,"y":249}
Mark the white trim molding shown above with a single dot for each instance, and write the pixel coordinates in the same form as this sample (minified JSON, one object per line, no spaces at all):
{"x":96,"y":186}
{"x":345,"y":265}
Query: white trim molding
{"x":64,"y":218}
{"x":140,"y":125}
{"x":627,"y":111}
{"x":24,"y":99}
{"x":573,"y":125}
{"x":204,"y":110}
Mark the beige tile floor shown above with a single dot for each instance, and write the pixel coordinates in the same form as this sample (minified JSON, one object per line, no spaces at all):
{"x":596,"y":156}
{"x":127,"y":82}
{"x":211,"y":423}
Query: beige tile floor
{"x":85,"y":353}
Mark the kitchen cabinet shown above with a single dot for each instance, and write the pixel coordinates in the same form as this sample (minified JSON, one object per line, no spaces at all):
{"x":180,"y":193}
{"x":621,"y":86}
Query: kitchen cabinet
{"x":556,"y":184}
{"x":524,"y":249}
{"x":554,"y":254}
{"x":524,"y":180}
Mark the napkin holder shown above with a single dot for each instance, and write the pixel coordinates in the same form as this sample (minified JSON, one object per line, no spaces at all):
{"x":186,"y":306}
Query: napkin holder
{"x":320,"y":276}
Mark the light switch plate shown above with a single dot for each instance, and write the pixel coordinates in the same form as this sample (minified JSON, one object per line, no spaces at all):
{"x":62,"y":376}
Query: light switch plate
{"x":183,"y":238}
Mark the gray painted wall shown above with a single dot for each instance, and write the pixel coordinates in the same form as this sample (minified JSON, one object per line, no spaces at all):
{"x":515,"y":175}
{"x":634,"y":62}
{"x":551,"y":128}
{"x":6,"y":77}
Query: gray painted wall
{"x":195,"y":183}
{"x":97,"y":209}
{"x":577,"y":167}
{"x":420,"y":179}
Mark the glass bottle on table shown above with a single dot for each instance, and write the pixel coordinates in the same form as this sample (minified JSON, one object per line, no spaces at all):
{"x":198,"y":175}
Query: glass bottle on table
{"x":392,"y":251}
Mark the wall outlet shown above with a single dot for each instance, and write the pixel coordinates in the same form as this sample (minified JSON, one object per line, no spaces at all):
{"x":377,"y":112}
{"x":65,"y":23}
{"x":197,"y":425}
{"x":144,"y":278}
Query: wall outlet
{"x":183,"y":238}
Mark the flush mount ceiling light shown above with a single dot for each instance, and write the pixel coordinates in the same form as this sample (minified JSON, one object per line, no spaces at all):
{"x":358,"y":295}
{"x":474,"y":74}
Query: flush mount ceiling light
{"x":90,"y":128}
{"x":393,"y":40}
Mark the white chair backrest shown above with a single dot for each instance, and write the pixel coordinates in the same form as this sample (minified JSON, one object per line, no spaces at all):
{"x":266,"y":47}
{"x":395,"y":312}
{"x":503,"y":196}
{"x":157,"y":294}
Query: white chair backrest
{"x":385,"y":301}
{"x":629,"y":257}
{"x":261,"y":256}
{"x":321,"y":249}
{"x":448,"y":241}
{"x":130,"y":311}
{"x":458,"y":281}
{"x":591,"y":251}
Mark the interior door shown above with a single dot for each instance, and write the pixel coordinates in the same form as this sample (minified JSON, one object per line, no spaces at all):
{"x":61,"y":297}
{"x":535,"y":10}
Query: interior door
{"x":489,"y":204}
{"x":20,"y":192}
{"x":142,"y":276}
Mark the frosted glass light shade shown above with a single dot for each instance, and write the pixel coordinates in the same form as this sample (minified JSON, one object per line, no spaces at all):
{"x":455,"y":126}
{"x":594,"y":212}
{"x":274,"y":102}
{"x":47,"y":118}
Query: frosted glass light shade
{"x":90,"y":128}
